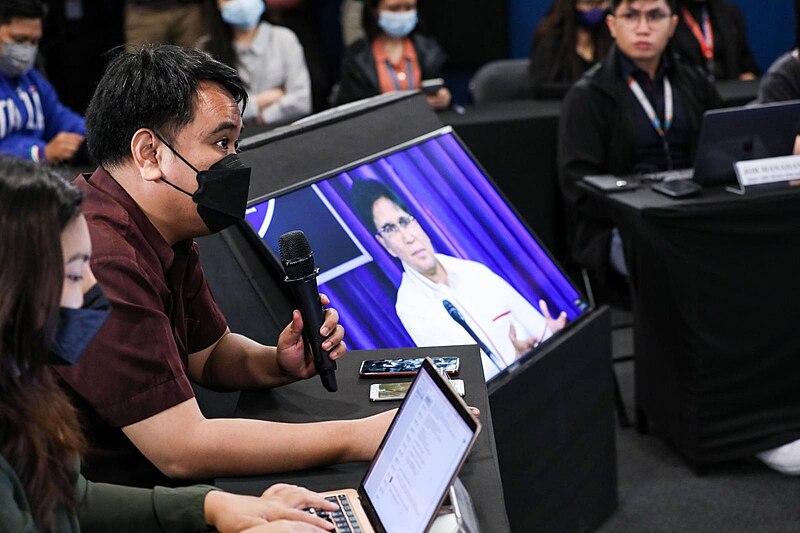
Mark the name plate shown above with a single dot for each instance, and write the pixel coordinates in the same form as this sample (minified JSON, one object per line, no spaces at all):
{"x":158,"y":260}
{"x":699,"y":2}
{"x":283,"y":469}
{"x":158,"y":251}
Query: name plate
{"x":768,"y":173}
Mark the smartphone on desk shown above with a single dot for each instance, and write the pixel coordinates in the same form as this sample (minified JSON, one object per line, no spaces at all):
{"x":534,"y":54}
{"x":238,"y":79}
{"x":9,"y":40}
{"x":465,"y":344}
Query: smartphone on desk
{"x":382,"y":392}
{"x":610,"y":183}
{"x":677,"y":188}
{"x":406,"y":367}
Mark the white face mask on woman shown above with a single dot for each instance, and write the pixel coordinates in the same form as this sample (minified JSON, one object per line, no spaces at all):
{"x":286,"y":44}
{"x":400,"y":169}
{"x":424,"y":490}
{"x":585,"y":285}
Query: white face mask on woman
{"x":398,"y":24}
{"x":243,"y":14}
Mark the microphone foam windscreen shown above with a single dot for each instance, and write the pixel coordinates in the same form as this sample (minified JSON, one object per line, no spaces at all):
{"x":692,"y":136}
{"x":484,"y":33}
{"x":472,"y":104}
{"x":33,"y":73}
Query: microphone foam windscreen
{"x":296,"y":255}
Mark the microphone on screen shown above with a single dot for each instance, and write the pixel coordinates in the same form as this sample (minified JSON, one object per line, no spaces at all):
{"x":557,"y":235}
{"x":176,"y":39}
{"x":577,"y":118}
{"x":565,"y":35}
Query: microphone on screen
{"x":456,"y":315}
{"x":301,"y":275}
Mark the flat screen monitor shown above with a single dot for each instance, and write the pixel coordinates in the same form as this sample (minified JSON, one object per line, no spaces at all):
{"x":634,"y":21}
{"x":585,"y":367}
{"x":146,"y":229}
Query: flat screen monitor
{"x":417,"y":247}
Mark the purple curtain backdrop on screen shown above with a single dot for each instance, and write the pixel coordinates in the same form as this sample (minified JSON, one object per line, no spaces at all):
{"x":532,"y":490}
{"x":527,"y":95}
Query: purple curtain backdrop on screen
{"x":463,"y":215}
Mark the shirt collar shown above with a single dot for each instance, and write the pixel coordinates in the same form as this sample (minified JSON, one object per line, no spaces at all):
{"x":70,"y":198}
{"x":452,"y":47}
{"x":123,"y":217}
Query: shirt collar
{"x":627,"y":68}
{"x":260,"y":41}
{"x":104,"y":182}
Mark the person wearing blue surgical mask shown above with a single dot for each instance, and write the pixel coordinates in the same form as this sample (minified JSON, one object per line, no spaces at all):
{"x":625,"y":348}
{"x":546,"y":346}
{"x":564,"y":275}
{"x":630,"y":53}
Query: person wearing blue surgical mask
{"x":34,"y":124}
{"x":393,"y":56}
{"x":50,"y":310}
{"x":269,"y":59}
{"x":571,"y":38}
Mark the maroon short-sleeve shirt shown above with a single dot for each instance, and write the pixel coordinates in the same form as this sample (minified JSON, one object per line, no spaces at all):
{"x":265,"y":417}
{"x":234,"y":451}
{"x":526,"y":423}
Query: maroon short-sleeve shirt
{"x":162,"y":311}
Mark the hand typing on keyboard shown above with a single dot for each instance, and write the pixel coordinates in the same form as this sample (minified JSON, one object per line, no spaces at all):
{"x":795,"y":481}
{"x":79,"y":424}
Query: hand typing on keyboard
{"x":343,"y":518}
{"x":279,"y":509}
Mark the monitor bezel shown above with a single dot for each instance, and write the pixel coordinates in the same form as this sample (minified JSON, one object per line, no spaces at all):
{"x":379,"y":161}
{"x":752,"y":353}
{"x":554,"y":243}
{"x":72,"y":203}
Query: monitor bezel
{"x":275,"y":260}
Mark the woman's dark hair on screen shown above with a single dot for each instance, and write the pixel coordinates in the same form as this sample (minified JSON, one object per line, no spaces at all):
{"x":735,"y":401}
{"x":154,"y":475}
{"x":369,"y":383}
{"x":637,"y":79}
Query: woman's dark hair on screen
{"x":153,"y":87}
{"x":23,"y":9}
{"x":39,"y":432}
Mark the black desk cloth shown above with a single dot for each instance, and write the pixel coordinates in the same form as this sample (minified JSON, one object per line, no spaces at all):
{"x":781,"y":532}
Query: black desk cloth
{"x":716,"y":283}
{"x":307,"y":401}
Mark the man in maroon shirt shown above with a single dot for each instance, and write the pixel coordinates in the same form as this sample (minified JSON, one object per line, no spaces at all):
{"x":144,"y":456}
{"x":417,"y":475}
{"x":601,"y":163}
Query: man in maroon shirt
{"x":162,"y":122}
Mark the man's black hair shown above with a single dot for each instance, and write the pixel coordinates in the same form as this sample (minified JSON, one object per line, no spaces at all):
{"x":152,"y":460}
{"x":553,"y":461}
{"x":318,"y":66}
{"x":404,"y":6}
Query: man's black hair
{"x":365,"y":193}
{"x":673,"y":5}
{"x":21,"y":9}
{"x":153,"y":87}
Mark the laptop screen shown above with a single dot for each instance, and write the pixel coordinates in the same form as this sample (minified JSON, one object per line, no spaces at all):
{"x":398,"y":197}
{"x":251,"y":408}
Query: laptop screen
{"x":418,"y":458}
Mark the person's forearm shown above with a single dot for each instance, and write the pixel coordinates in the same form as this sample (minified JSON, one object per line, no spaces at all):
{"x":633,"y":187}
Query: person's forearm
{"x":235,"y":447}
{"x":240,"y":363}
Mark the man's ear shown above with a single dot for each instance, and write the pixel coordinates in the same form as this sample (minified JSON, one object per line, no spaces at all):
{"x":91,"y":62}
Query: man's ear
{"x":612,"y":29}
{"x":673,"y":25}
{"x":385,"y":245}
{"x":145,"y":155}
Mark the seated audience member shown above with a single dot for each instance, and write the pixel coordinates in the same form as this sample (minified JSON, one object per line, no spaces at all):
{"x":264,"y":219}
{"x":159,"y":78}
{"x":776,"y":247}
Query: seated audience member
{"x":163,"y":21}
{"x":33,"y":122}
{"x":505,"y":322}
{"x":640,"y":110}
{"x":164,"y":124}
{"x":51,"y":308}
{"x":712,"y":35}
{"x":571,"y":38}
{"x":393,"y":56}
{"x":782,"y":81}
{"x":269,"y":60}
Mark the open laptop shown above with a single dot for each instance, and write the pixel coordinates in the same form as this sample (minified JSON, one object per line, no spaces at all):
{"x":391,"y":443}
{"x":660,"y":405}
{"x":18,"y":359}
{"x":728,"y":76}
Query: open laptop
{"x":419,"y":458}
{"x":738,"y":134}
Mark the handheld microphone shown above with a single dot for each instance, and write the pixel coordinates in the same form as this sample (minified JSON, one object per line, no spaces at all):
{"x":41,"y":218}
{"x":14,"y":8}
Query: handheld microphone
{"x":456,"y":315}
{"x":301,"y":275}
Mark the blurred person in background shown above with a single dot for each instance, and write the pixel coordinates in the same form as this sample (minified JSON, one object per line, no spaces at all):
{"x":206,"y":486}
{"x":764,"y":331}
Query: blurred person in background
{"x":571,"y":38}
{"x":163,"y":22}
{"x":712,"y":35}
{"x":269,"y":60}
{"x":395,"y":55}
{"x":34,"y":124}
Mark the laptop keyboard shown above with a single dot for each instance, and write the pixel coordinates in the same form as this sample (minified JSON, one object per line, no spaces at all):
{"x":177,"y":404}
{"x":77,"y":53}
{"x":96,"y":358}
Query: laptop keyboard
{"x":343,"y":518}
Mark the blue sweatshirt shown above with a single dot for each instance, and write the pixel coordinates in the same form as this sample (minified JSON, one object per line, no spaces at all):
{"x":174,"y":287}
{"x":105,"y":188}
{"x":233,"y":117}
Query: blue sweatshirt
{"x":31,"y":115}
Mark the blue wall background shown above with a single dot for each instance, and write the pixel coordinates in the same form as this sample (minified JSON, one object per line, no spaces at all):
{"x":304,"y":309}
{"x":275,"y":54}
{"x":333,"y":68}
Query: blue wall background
{"x":770,"y":26}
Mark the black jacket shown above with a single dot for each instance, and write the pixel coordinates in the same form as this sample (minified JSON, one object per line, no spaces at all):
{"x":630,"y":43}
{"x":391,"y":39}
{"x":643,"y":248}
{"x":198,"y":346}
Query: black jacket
{"x":596,"y":137}
{"x":359,"y":78}
{"x":550,"y":76}
{"x":732,"y":55}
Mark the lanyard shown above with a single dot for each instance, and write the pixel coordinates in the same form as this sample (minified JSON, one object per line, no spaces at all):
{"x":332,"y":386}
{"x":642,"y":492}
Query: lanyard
{"x":409,"y":75}
{"x":705,"y":37}
{"x":648,"y":107}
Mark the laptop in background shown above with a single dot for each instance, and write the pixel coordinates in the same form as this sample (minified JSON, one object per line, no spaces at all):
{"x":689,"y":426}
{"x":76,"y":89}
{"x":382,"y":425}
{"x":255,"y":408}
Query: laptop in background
{"x":738,"y":134}
{"x":416,"y":463}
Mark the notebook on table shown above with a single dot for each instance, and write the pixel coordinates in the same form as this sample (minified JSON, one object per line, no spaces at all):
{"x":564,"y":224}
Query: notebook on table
{"x":420,"y":456}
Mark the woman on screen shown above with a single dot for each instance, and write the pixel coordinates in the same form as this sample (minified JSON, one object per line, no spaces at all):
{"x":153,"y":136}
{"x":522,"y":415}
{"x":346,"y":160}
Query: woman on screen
{"x":50,"y":309}
{"x":393,"y":56}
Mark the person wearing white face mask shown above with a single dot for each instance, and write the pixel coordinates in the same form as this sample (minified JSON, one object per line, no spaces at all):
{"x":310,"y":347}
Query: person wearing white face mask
{"x":269,"y":60}
{"x":33,"y":123}
{"x":393,"y":56}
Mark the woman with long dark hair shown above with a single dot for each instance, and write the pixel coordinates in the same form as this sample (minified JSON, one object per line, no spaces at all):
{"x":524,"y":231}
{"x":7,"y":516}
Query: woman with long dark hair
{"x":394,"y":55}
{"x":50,"y":309}
{"x":268,"y":58}
{"x":571,"y":38}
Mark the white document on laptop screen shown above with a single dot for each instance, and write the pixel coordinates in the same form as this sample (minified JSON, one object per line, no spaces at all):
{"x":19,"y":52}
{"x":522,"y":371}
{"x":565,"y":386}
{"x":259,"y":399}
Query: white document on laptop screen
{"x":418,"y":459}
